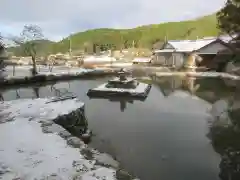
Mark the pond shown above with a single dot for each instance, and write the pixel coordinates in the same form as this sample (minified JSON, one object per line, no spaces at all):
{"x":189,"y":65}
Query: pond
{"x":164,"y":137}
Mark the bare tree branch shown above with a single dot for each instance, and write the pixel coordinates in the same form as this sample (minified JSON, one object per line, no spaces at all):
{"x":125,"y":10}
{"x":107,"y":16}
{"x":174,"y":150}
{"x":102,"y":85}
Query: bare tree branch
{"x":2,"y":64}
{"x":28,"y":40}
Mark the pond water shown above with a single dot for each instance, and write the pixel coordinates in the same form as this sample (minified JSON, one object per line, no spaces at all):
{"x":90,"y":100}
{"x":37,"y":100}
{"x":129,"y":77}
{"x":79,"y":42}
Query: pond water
{"x":164,"y":137}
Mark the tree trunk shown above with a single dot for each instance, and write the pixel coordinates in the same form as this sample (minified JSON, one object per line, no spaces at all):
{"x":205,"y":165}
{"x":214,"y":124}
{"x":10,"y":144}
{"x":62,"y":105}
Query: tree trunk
{"x":34,"y":70}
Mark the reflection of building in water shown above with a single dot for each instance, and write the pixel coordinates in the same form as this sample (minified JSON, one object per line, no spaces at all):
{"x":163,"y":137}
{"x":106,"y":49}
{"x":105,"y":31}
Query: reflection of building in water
{"x":189,"y":83}
{"x":209,"y":89}
{"x":168,"y":85}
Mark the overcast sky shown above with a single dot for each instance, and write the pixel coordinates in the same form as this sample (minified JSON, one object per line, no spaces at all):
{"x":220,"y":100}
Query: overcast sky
{"x":59,"y":18}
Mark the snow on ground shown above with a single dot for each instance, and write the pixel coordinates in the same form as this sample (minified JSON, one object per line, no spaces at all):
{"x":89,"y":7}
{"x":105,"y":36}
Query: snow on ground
{"x":118,"y":65}
{"x":28,"y":153}
{"x":199,"y":74}
{"x":40,"y":108}
{"x":57,"y":70}
{"x":61,"y":72}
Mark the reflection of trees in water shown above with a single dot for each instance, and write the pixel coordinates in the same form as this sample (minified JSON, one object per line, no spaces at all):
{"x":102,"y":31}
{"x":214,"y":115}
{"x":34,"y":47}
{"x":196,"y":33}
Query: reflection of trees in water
{"x":226,"y":141}
{"x":36,"y":92}
{"x":17,"y":94}
{"x":224,"y":131}
{"x":59,"y":92}
{"x":1,"y":97}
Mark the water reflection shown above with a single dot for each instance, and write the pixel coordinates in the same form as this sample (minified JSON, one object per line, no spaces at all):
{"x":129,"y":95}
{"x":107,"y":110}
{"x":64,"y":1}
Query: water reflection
{"x":224,"y":127}
{"x":169,"y":134}
{"x":17,"y":94}
{"x":1,"y":96}
{"x":78,"y":124}
{"x":208,"y":89}
{"x":225,"y":136}
{"x":123,"y":101}
{"x":59,"y":92}
{"x":36,"y":92}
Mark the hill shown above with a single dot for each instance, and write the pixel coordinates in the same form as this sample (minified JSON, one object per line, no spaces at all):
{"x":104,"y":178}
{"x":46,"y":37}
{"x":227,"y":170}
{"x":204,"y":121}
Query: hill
{"x":44,"y":47}
{"x":143,"y":36}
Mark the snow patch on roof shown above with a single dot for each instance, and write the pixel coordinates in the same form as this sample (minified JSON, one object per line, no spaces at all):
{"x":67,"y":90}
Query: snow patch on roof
{"x":190,"y":45}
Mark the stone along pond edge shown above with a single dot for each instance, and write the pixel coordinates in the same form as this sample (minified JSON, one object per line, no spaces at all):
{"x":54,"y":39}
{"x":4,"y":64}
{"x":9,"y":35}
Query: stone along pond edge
{"x":50,"y":116}
{"x":53,"y":77}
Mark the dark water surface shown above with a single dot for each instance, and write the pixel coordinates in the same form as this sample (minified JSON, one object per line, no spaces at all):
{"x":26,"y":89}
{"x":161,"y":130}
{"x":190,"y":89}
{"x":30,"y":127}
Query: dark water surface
{"x":166,"y":137}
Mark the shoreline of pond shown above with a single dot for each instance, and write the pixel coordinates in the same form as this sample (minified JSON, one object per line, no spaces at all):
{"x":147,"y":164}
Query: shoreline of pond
{"x":73,"y":74}
{"x":50,"y":120}
{"x":54,"y":77}
{"x":103,"y":111}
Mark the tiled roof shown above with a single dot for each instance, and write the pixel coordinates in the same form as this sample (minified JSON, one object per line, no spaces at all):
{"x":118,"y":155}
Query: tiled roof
{"x":190,"y":45}
{"x":193,"y":45}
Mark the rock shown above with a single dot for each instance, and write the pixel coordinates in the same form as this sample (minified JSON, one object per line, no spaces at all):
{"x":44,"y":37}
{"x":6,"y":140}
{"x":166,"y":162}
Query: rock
{"x":3,"y":169}
{"x":52,"y":177}
{"x":65,"y":134}
{"x":75,"y":142}
{"x":5,"y":118}
{"x":123,"y":175}
{"x":46,"y":123}
{"x":219,"y":109}
{"x":106,"y":160}
{"x":54,"y":128}
{"x":86,"y":137}
{"x":87,"y":153}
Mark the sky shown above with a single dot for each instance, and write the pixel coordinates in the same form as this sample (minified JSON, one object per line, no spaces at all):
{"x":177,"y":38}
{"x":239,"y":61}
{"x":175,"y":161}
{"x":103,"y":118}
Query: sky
{"x":59,"y":18}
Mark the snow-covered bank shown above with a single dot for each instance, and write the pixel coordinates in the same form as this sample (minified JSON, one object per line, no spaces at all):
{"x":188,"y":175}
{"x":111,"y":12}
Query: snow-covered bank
{"x":114,"y":65}
{"x":47,"y":76}
{"x":198,"y":74}
{"x":28,"y":153}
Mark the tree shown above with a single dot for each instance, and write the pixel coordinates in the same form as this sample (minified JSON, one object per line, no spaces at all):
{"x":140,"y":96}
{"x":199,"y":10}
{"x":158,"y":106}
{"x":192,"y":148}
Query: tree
{"x":188,"y":33}
{"x":157,"y":43}
{"x":29,"y":39}
{"x":229,"y":17}
{"x":2,"y":64}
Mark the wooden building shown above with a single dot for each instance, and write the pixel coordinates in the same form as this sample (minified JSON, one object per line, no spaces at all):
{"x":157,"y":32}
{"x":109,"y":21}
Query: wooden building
{"x":176,"y":53}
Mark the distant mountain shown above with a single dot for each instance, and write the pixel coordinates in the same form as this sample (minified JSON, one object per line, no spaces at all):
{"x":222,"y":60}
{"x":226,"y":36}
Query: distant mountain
{"x":143,"y":36}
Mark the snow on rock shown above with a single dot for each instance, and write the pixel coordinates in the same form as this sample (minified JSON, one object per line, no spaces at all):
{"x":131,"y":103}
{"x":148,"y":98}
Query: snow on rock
{"x":28,"y":153}
{"x":39,"y":109}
